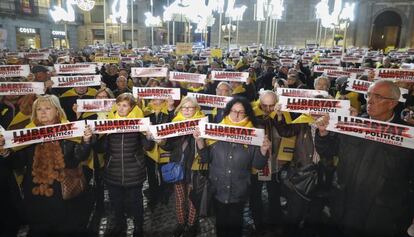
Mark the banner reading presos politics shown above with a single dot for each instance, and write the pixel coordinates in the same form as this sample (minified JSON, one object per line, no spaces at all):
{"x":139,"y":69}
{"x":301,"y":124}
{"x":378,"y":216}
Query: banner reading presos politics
{"x":156,"y":93}
{"x":175,"y":129}
{"x":14,"y":70}
{"x":76,"y":81}
{"x":104,"y":126}
{"x":22,"y":88}
{"x":188,"y":77}
{"x":78,"y":68}
{"x":229,"y":76}
{"x":149,"y":72}
{"x":236,"y":134}
{"x":338,"y":73}
{"x":389,"y":133}
{"x":36,"y":56}
{"x":361,"y":86}
{"x":300,"y":92}
{"x":394,"y":74}
{"x":40,"y":134}
{"x":214,"y":101}
{"x":314,"y":105}
{"x":94,"y":105}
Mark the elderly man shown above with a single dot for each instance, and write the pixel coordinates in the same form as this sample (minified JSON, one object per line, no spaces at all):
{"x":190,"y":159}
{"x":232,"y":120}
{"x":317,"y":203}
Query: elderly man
{"x":121,"y":86}
{"x":322,"y":83}
{"x":374,"y":179}
{"x":223,"y":89}
{"x":281,"y":149}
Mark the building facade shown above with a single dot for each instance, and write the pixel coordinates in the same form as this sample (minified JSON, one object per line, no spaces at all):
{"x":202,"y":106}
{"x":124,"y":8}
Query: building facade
{"x":27,"y":24}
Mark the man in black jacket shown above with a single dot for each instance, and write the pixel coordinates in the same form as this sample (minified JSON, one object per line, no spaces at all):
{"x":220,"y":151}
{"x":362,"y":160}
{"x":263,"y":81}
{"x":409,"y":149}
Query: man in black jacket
{"x":373,"y":191}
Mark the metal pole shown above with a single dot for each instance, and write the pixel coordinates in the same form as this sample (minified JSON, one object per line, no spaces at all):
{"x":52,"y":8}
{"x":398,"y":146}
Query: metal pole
{"x":168,"y":27}
{"x":320,"y":35}
{"x":344,"y":46}
{"x":229,"y":34}
{"x":132,"y":23}
{"x":269,"y":40}
{"x":333,"y":36}
{"x":266,"y":31}
{"x":173,"y":36}
{"x":324,"y":39}
{"x":152,"y":28}
{"x":258,"y":32}
{"x":237,"y":33}
{"x":104,"y":12}
{"x":219,"y":28}
{"x":275,"y":33}
{"x":189,"y":32}
{"x":317,"y":30}
{"x":66,"y":36}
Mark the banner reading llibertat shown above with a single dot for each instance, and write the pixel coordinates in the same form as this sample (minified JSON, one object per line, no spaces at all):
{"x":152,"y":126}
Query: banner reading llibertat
{"x":236,"y":134}
{"x":292,"y":92}
{"x":106,"y":126}
{"x":361,"y":86}
{"x":41,"y":134}
{"x":388,"y":133}
{"x":213,"y":101}
{"x":94,"y":105}
{"x":149,"y":72}
{"x":22,"y":88}
{"x":394,"y":74}
{"x":188,"y":77}
{"x":322,"y":68}
{"x":229,"y":76}
{"x":76,"y":81}
{"x":314,"y":105}
{"x":175,"y":129}
{"x":14,"y":70}
{"x":156,"y":93}
{"x":78,"y":68}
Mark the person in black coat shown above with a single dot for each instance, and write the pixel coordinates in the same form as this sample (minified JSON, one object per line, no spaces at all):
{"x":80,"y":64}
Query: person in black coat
{"x":373,"y":179}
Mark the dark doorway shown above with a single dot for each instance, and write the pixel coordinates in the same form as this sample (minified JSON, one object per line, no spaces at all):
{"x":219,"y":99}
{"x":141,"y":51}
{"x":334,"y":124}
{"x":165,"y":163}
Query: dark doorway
{"x":386,"y":31}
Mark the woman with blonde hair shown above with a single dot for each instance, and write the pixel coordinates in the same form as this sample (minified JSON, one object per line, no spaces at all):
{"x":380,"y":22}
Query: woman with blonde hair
{"x":183,"y":148}
{"x":47,"y":166}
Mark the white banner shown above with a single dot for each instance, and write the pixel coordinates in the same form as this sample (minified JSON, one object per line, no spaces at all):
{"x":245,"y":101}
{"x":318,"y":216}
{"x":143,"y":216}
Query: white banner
{"x":201,"y":62}
{"x":358,"y":71}
{"x":188,"y":77}
{"x":149,"y":72}
{"x":156,"y":93}
{"x":361,"y":86}
{"x":175,"y":129}
{"x":213,"y":101}
{"x":300,"y":92}
{"x":314,"y":105}
{"x":105,"y":126}
{"x":236,"y":134}
{"x":352,"y":59}
{"x":14,"y":70}
{"x":78,"y":68}
{"x":36,"y":56}
{"x":229,"y":76}
{"x":394,"y":74}
{"x":330,"y":61}
{"x":322,"y":68}
{"x":76,"y":81}
{"x":388,"y":133}
{"x":41,"y":134}
{"x":338,"y":73}
{"x":95,"y":105}
{"x":22,"y":88}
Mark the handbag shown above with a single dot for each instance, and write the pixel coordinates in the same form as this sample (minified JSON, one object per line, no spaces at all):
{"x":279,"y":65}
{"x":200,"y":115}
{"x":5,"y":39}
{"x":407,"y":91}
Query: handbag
{"x":174,"y":171}
{"x":73,"y":183}
{"x":302,"y":180}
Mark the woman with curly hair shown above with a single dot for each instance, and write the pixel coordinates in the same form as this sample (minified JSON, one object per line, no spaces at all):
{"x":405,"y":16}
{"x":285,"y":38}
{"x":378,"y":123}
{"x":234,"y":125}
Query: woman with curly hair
{"x":47,"y":163}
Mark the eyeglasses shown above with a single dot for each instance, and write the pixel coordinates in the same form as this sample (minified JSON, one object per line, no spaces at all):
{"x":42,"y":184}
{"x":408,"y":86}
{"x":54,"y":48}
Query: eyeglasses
{"x":375,"y":96}
{"x":267,"y":106}
{"x":239,"y":113}
{"x":188,"y":108}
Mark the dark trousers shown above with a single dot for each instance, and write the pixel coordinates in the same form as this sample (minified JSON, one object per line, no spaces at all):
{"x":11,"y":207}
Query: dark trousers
{"x":127,"y":200}
{"x":158,"y":190}
{"x":256,"y":203}
{"x":229,"y":219}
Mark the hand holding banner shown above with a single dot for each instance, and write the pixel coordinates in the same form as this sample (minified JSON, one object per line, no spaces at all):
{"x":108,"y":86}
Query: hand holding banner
{"x":40,"y":134}
{"x":175,"y":129}
{"x":236,"y":134}
{"x":300,"y":92}
{"x":214,"y":101}
{"x":78,"y":68}
{"x":229,"y":76}
{"x":105,"y":126}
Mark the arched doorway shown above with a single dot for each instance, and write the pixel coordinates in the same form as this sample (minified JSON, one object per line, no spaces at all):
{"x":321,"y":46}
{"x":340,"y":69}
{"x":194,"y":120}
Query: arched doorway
{"x":386,"y":30}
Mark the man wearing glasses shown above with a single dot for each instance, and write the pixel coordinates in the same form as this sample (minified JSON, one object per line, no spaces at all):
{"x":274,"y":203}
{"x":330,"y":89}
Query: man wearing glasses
{"x":374,"y":180}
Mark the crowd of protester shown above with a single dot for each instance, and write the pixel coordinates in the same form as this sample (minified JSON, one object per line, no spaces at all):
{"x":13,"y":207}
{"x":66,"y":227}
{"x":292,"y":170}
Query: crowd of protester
{"x":362,"y":187}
